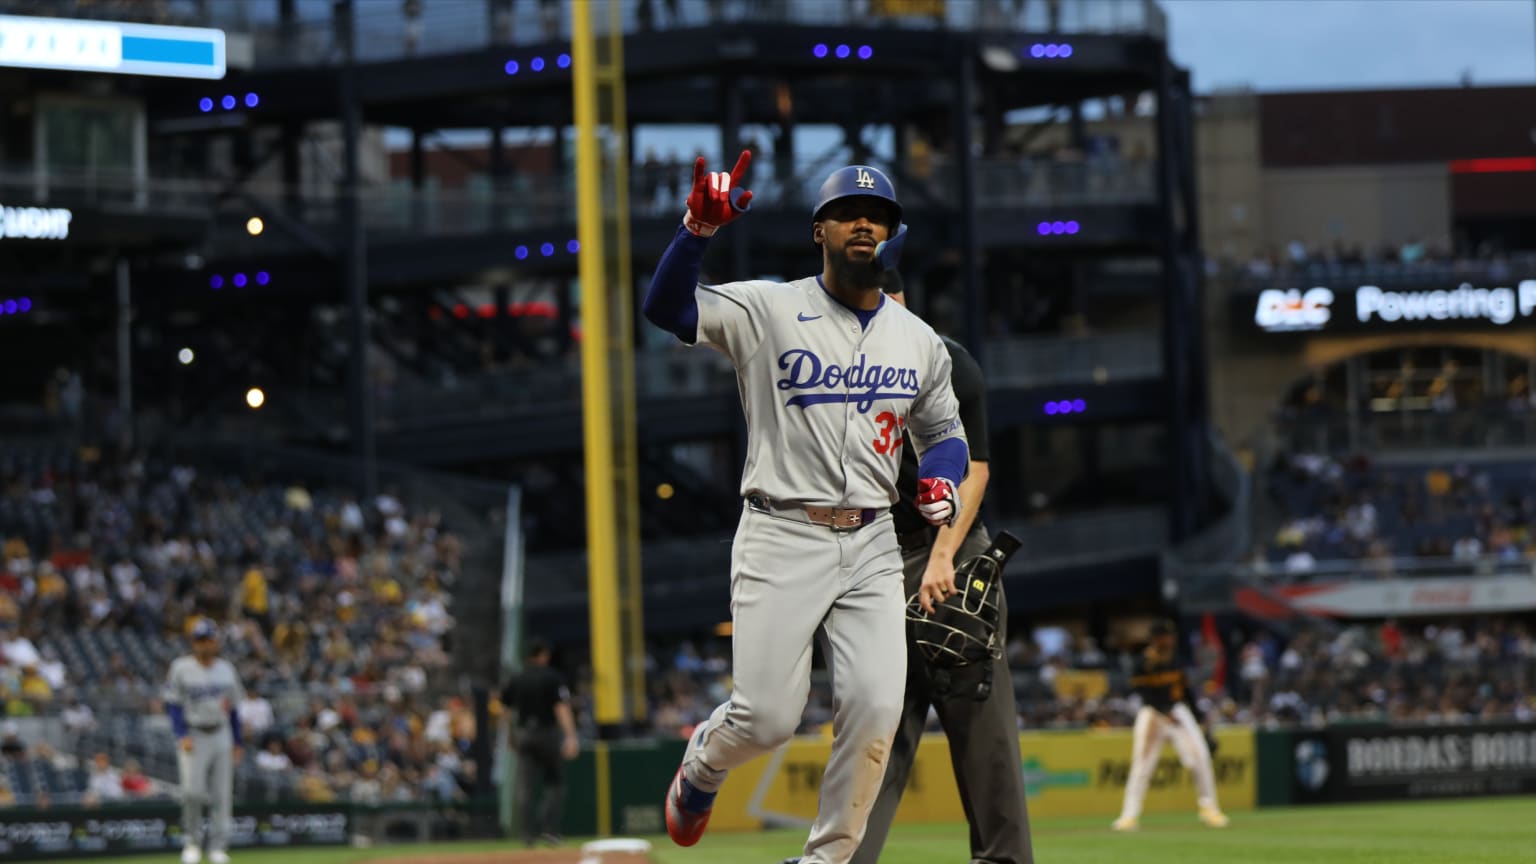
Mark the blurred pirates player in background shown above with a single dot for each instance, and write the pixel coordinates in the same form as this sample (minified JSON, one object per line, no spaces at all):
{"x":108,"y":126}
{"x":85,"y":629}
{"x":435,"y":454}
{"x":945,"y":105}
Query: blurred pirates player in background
{"x":1167,"y":714}
{"x":202,"y":692}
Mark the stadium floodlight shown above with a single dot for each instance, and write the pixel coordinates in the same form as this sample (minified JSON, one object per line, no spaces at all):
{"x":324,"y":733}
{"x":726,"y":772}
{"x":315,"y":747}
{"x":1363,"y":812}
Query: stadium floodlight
{"x":228,"y":102}
{"x":254,"y":226}
{"x":819,"y":51}
{"x":547,"y":249}
{"x":263,"y":277}
{"x":240,"y":280}
{"x":521,"y":252}
{"x":205,"y":104}
{"x":185,"y":356}
{"x":252,"y":100}
{"x":215,"y":281}
{"x":573,"y":246}
{"x":511,"y":67}
{"x":866,"y":52}
{"x":842,"y":52}
{"x":24,"y":304}
{"x":255,"y":398}
{"x":563,"y":61}
{"x":536,"y":64}
{"x":10,"y":307}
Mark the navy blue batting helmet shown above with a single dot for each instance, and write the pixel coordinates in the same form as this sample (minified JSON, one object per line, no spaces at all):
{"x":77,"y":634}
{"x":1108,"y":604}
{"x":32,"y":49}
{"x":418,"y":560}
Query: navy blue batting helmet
{"x":858,"y":181}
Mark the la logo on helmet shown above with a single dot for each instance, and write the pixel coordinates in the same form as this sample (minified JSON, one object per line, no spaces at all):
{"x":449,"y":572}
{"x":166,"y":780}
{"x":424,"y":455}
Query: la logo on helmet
{"x":864,"y":179}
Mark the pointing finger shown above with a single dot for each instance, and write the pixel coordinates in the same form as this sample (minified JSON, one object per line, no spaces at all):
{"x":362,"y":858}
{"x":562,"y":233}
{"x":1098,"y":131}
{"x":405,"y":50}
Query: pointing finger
{"x":698,"y":170}
{"x":742,"y":162}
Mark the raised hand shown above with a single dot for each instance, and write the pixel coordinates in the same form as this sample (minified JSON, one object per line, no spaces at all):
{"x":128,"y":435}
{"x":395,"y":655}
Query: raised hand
{"x":717,"y":197}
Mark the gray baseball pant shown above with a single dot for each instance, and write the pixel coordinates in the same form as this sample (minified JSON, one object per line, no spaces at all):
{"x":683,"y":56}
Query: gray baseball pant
{"x":792,"y":582}
{"x":207,"y":778}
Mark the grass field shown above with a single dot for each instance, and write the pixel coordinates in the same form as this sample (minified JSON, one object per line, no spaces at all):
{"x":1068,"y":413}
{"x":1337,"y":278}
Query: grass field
{"x":1487,"y":831}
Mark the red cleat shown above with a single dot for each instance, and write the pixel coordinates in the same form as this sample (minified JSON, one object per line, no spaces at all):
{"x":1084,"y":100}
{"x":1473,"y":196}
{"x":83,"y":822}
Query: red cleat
{"x":688,"y":810}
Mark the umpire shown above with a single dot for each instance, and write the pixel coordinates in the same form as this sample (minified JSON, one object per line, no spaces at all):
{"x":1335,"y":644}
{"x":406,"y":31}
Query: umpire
{"x":982,"y":726}
{"x":544,"y":735}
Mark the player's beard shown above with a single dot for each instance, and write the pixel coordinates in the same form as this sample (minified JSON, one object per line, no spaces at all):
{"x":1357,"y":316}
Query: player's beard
{"x":855,"y":273}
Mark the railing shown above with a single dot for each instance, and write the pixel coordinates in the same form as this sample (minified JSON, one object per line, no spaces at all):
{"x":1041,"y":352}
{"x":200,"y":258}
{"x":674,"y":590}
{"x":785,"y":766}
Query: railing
{"x":1022,"y":182}
{"x":383,"y":32}
{"x":110,"y":191}
{"x":1446,"y":273}
{"x":1051,"y":360}
{"x":1068,"y":541}
{"x":696,"y":373}
{"x":1339,"y":432}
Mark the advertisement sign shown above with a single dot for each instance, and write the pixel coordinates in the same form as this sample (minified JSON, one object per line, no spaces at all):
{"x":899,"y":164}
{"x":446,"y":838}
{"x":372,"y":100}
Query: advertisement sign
{"x":60,"y":832}
{"x":1069,"y":773}
{"x":1372,"y":308}
{"x":111,"y":46}
{"x":1384,"y":763}
{"x":1438,"y":596}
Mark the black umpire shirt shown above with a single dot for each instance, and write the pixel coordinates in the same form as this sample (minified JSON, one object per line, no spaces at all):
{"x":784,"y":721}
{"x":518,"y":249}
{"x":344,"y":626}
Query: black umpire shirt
{"x":971,"y":392}
{"x":534,"y":695}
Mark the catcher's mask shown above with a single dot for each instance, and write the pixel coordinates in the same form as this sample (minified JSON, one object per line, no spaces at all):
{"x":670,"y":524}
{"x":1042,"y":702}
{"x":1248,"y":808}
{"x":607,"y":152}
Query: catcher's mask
{"x":962,"y":631}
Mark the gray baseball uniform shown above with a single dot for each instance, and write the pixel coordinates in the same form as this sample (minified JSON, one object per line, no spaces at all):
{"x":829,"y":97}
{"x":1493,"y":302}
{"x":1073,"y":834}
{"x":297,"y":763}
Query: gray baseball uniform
{"x":828,"y":402}
{"x":205,"y":695}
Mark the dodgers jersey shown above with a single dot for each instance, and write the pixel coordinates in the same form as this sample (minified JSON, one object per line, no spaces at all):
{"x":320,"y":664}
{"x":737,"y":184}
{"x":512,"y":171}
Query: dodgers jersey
{"x":828,"y":401}
{"x":205,"y":693}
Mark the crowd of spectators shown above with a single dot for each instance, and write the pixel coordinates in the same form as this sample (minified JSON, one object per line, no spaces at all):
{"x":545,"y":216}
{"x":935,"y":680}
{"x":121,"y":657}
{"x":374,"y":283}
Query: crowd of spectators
{"x":106,"y":563}
{"x":1352,"y":509}
{"x":1423,"y":671}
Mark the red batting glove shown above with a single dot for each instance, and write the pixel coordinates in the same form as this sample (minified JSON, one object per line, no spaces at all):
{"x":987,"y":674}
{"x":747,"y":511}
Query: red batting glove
{"x":716,"y":198}
{"x":938,"y":500}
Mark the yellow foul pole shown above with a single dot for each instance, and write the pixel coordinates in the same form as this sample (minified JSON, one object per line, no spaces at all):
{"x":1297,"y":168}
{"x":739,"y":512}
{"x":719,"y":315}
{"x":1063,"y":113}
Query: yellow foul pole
{"x":607,"y":381}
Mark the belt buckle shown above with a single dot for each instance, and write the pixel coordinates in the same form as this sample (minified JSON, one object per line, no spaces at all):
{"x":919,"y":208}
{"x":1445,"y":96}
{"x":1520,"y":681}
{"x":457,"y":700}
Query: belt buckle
{"x":847,"y":519}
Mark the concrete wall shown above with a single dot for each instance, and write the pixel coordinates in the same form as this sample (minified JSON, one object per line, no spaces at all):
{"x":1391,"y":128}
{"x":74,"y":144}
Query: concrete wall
{"x":1370,"y":205}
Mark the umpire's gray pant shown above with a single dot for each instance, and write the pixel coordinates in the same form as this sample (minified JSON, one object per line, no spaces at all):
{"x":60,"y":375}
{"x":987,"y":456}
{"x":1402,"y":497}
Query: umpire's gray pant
{"x":983,"y":744}
{"x":207,"y":778}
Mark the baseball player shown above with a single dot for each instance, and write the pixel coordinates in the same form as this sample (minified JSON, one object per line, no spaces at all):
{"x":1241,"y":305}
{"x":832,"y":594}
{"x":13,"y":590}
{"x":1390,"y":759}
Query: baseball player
{"x":201,"y":695}
{"x":983,"y":734}
{"x":1167,"y":714}
{"x":833,"y":377}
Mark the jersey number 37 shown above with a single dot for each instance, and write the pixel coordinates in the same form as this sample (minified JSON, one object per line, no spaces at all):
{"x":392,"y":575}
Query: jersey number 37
{"x":890,"y":439}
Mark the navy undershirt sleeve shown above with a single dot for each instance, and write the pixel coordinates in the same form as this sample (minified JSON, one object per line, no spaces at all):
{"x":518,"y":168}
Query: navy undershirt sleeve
{"x":947,"y":459}
{"x":669,"y":301}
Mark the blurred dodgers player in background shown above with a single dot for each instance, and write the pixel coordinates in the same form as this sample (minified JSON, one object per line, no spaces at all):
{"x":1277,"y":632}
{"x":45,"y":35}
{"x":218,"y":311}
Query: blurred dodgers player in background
{"x":833,"y":377}
{"x":202,"y":691}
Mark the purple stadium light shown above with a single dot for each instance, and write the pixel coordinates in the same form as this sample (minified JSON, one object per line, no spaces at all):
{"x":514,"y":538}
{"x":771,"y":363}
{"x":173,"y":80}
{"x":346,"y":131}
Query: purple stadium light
{"x":215,"y":281}
{"x":573,"y":246}
{"x":1058,"y":227}
{"x":10,"y":307}
{"x":1037,"y":50}
{"x":511,"y":67}
{"x":819,"y":51}
{"x":1050,"y":408}
{"x":1066,"y":50}
{"x":1072,"y":227}
{"x":521,"y":252}
{"x":866,"y":52}
{"x":842,"y":52}
{"x":547,"y":249}
{"x":536,"y":64}
{"x":24,"y":304}
{"x":205,"y":104}
{"x":252,"y":100}
{"x":1043,"y":228}
{"x":228,"y":102}
{"x":1079,"y":405}
{"x":263,"y":277}
{"x":563,"y":61}
{"x":239,"y":280}
{"x":1052,"y":50}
